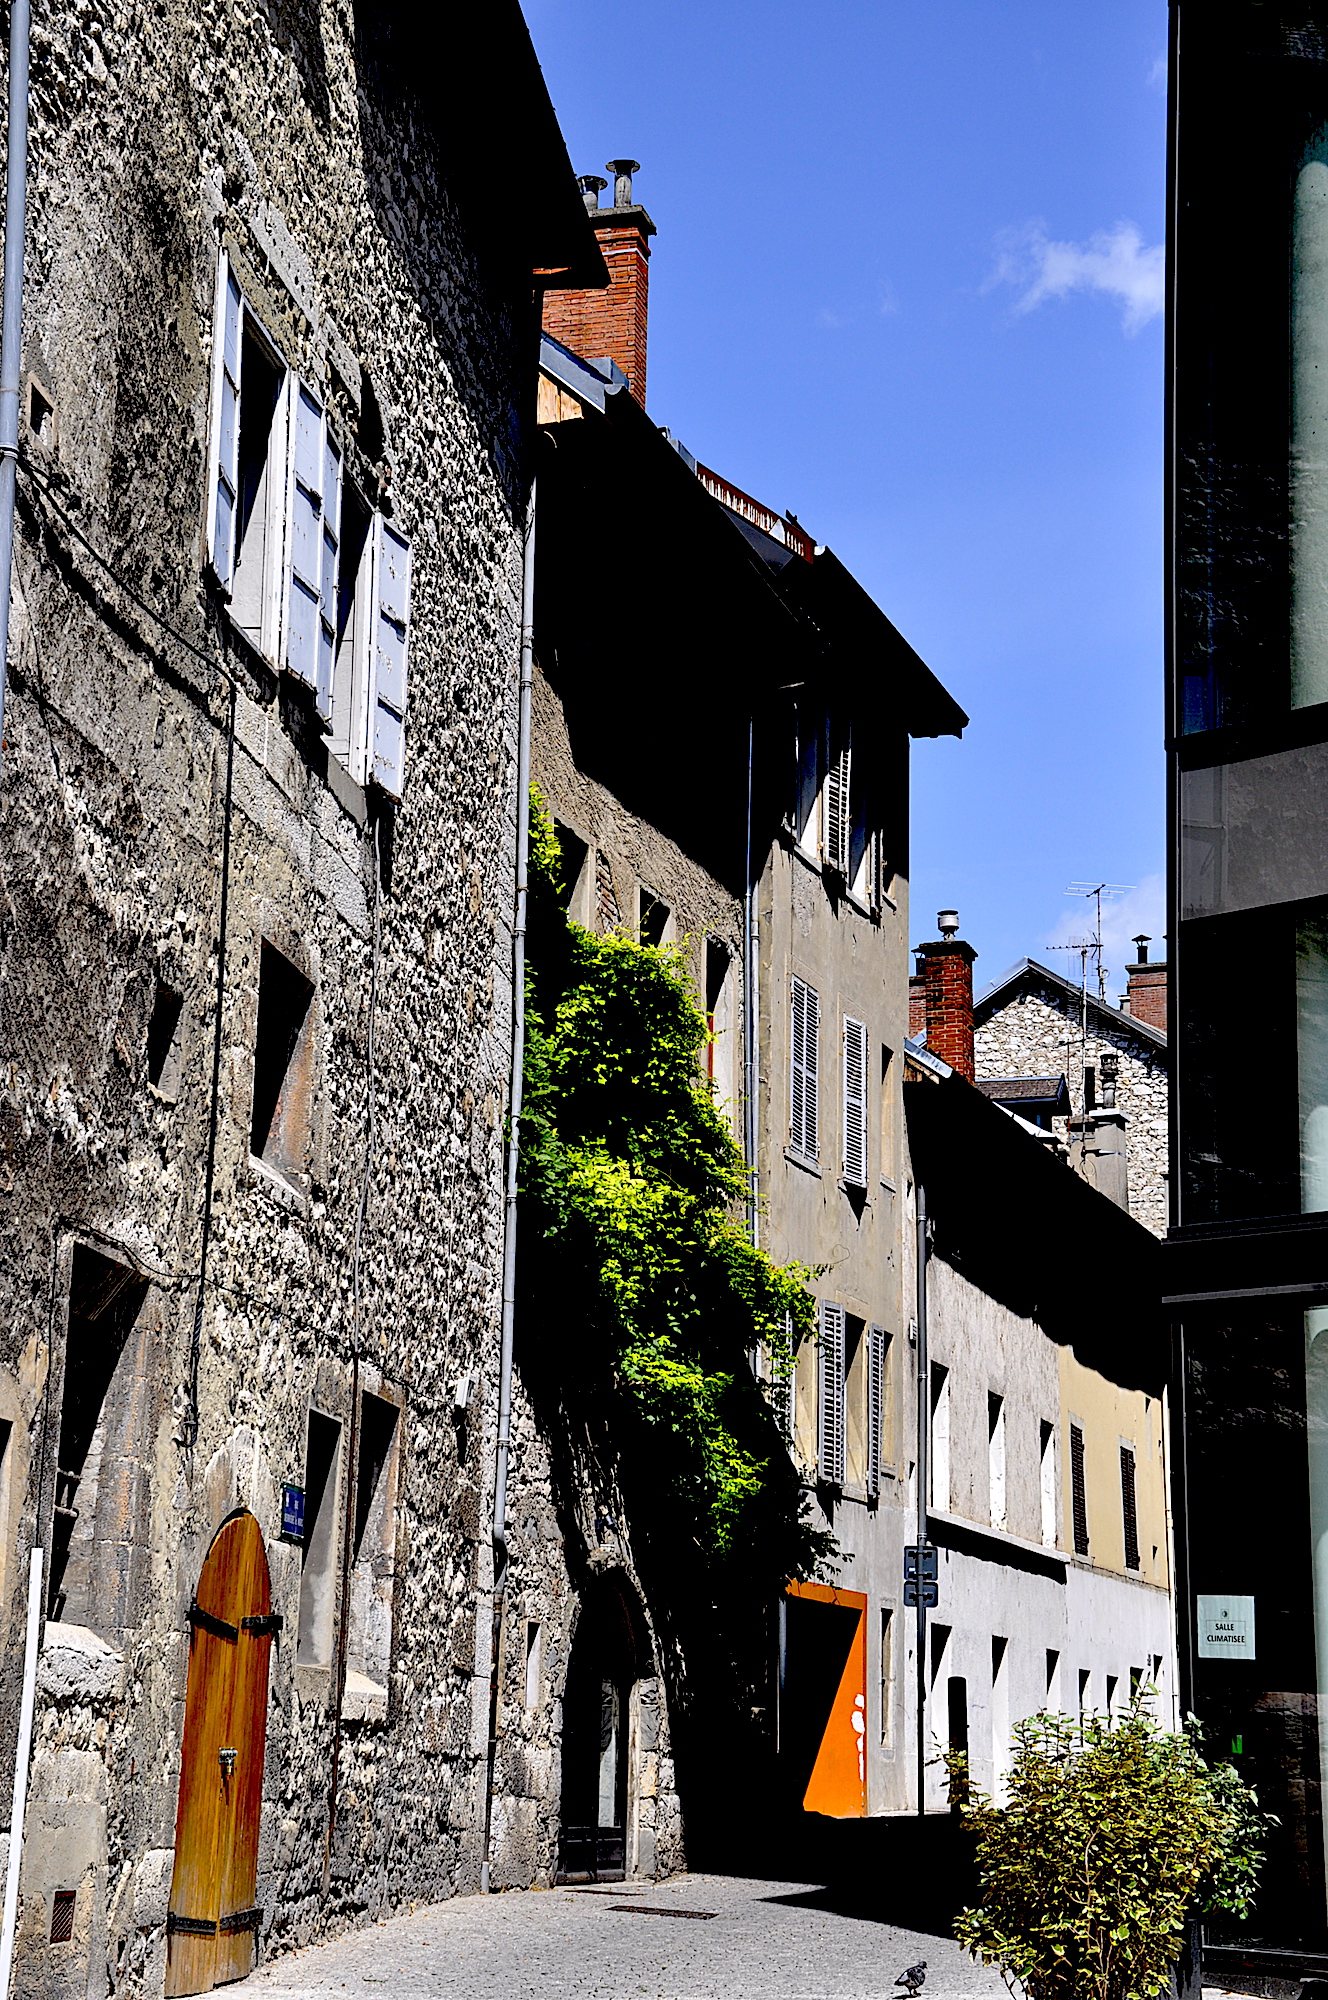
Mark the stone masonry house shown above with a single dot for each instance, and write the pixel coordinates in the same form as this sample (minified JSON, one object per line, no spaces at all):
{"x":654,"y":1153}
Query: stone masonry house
{"x":1034,"y":1026}
{"x":258,"y":840}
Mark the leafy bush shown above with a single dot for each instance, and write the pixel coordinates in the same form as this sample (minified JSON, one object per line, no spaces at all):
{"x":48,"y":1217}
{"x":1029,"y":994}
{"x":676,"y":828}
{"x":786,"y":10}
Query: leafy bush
{"x":1115,"y":1831}
{"x":631,"y":1182}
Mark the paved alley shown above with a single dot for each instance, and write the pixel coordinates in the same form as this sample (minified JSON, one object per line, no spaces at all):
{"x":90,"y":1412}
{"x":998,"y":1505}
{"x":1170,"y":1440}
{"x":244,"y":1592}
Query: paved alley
{"x":697,"y":1937}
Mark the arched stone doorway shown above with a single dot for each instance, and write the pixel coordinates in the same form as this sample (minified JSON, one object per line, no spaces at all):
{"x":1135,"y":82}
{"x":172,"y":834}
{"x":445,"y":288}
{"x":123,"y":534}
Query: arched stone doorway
{"x":212,"y":1924}
{"x":609,"y":1702}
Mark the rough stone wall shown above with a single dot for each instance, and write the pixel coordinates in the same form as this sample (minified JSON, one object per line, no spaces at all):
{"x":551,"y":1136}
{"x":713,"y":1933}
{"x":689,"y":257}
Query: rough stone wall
{"x":130,"y":809}
{"x":1036,"y":1033}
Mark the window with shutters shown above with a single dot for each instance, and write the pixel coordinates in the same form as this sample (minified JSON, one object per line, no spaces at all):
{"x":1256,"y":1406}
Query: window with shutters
{"x":804,"y":1072}
{"x":838,"y":804}
{"x":1078,"y":1491}
{"x":1129,"y":1507}
{"x":373,"y":1548}
{"x":830,"y":1439}
{"x":371,"y":638}
{"x":318,"y":1556}
{"x":855,"y":1103}
{"x":248,"y":466}
{"x":807,"y":808}
{"x":312,"y":569}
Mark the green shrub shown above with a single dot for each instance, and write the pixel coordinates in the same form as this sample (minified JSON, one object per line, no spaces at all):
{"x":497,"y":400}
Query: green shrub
{"x":1113,"y":1833}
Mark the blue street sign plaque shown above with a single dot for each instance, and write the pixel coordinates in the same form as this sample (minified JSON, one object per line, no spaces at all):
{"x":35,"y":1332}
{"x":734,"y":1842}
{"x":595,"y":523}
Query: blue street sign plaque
{"x":292,"y":1513}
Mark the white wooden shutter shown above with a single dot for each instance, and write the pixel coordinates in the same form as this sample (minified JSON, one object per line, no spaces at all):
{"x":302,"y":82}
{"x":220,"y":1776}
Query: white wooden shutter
{"x":830,"y":1396}
{"x":804,"y":1070}
{"x":390,"y":643}
{"x":224,"y":439}
{"x":330,"y":580}
{"x":876,"y":1350}
{"x":305,"y":534}
{"x":855,"y":1102}
{"x":837,"y":821}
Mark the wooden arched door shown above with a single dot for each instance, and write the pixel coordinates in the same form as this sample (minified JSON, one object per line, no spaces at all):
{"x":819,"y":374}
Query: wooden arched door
{"x":212,"y":1926}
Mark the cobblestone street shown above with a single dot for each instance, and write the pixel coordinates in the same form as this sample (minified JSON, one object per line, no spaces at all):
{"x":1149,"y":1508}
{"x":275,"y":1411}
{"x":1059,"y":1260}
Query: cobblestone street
{"x":697,"y":1937}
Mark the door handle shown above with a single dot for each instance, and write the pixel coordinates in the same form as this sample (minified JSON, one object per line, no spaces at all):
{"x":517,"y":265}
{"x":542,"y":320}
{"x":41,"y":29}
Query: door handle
{"x":226,"y":1759}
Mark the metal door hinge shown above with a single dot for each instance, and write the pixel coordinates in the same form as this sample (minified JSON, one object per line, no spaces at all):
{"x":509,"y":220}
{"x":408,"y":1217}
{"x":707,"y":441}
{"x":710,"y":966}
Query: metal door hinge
{"x":264,"y":1627}
{"x":203,"y":1621}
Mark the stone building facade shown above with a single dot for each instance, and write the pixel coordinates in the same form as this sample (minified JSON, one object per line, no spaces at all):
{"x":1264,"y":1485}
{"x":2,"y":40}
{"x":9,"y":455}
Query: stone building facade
{"x":258,"y":845}
{"x":1031,"y":1023}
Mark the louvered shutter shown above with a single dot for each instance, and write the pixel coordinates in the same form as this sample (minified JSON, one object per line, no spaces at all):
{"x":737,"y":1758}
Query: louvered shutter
{"x":876,"y":1351}
{"x":329,"y":581}
{"x":1129,"y":1508}
{"x":305,"y":536}
{"x":224,"y":445}
{"x":1078,"y":1491}
{"x":855,"y":1103}
{"x":391,"y":630}
{"x":837,"y":808}
{"x":804,"y":1070}
{"x":830,"y":1396}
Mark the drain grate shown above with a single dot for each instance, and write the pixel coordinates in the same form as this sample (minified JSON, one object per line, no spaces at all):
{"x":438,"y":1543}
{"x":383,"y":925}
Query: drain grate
{"x":645,"y":1910}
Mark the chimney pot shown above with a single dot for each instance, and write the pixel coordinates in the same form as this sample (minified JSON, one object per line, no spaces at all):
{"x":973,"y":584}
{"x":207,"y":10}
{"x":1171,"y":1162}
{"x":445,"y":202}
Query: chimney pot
{"x":947,"y":923}
{"x":1141,"y":944}
{"x":622,"y":171}
{"x":590,"y":186}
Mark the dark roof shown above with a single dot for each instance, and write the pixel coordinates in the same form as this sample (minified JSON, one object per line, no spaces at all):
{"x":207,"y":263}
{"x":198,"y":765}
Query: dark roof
{"x":854,"y":627}
{"x":1050,"y":1091}
{"x":479,"y":88}
{"x":1024,"y":1228}
{"x":1030,"y":974}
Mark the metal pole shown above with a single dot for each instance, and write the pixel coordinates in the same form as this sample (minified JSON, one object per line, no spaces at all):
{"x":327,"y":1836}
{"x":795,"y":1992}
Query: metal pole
{"x":506,"y":1343}
{"x":21,"y":1758}
{"x":11,"y":327}
{"x":924,"y":1425}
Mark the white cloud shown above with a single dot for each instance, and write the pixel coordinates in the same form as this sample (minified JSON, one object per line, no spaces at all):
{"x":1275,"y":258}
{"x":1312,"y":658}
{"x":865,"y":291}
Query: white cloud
{"x":1115,"y":261}
{"x":1143,"y":908}
{"x":1157,"y":75}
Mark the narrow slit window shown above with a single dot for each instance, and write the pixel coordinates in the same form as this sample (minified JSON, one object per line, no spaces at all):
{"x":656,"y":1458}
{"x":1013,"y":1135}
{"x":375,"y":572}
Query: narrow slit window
{"x":887,"y":1677}
{"x":996,"y":1460}
{"x":373,"y":1544}
{"x":318,"y":1557}
{"x":62,"y":1915}
{"x":164,"y":1039}
{"x":653,"y":917}
{"x":277,"y":1121}
{"x":1047,"y":1481}
{"x":940,"y":1439}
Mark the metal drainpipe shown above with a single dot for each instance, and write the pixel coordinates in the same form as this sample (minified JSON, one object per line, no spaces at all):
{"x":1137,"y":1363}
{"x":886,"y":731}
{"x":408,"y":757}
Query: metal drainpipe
{"x":749,"y":999}
{"x":500,"y":1557}
{"x":11,"y":369}
{"x":924,"y":1415}
{"x":11,"y":328}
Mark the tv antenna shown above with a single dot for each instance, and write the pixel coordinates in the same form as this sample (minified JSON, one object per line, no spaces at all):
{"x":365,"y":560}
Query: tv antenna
{"x":1096,"y":891}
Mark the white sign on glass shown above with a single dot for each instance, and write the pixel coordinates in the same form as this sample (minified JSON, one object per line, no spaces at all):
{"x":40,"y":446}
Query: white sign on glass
{"x":1226,"y":1628}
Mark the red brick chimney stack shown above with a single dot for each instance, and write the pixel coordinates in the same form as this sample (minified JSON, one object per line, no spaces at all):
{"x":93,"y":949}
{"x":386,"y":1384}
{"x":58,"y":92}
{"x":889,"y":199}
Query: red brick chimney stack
{"x":611,"y":323}
{"x":1146,"y":994}
{"x":947,"y":977}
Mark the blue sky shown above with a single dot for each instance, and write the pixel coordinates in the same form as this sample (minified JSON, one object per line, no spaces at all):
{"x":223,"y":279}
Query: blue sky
{"x":907,"y":283}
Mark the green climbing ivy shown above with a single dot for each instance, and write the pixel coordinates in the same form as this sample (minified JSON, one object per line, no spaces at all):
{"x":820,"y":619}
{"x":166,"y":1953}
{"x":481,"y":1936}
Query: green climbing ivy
{"x":631,"y":1187}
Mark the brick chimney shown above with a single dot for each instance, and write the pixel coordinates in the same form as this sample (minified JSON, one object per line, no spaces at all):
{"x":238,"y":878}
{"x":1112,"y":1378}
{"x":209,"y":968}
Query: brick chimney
{"x":917,"y":1005}
{"x":947,"y":983}
{"x":1146,"y":994}
{"x":611,"y":323}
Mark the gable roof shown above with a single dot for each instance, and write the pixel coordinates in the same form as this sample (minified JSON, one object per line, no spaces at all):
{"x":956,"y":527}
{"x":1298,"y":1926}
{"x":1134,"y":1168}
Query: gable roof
{"x":1029,"y":975}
